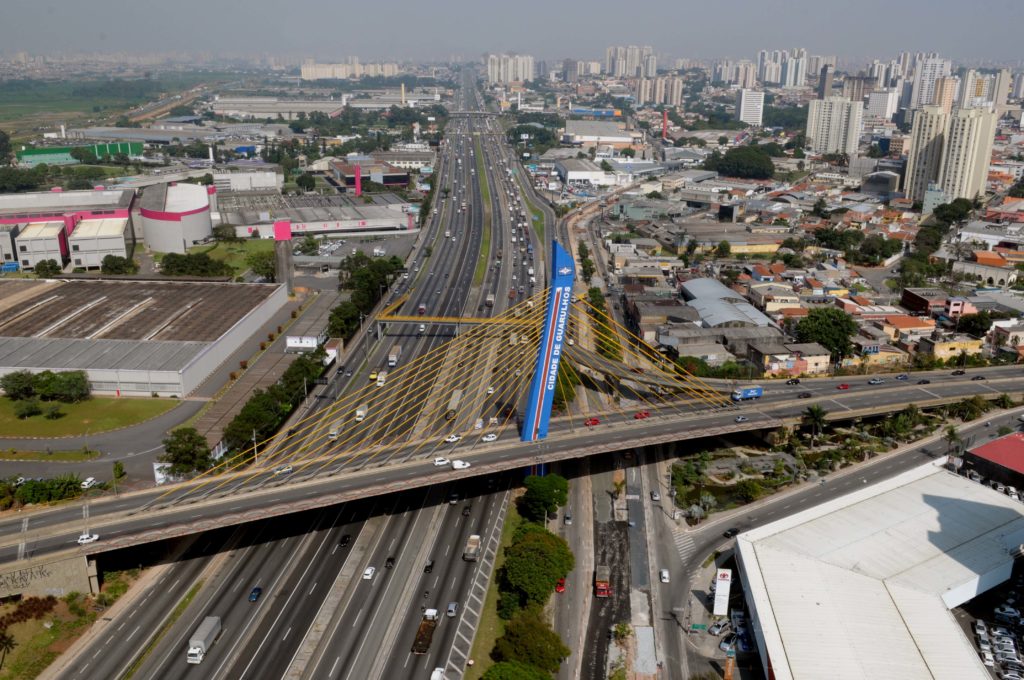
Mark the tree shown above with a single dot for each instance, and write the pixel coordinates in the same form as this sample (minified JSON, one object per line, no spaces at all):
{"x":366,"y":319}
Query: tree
{"x":831,"y":328}
{"x":528,"y":639}
{"x":723,"y":140}
{"x":513,"y":670}
{"x":26,"y":408}
{"x":7,"y":644}
{"x":723,"y":250}
{"x":83,"y":154}
{"x":262,"y":263}
{"x":533,"y":564}
{"x":115,"y":264}
{"x":952,"y":437}
{"x":543,"y":495}
{"x":606,"y":166}
{"x":628,"y":153}
{"x":119,"y":472}
{"x":18,"y":385}
{"x":819,"y":209}
{"x":306,"y":181}
{"x":187,"y":451}
{"x":193,"y":264}
{"x":47,"y":269}
{"x":748,"y":490}
{"x":814,"y":416}
{"x":5,"y":147}
{"x":750,"y":162}
{"x":975,"y":324}
{"x":309,"y":245}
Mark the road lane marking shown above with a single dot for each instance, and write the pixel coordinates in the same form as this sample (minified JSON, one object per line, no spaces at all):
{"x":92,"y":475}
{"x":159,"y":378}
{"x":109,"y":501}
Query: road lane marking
{"x":127,"y":639}
{"x":286,"y":634}
{"x":311,"y":590}
{"x":334,"y":666}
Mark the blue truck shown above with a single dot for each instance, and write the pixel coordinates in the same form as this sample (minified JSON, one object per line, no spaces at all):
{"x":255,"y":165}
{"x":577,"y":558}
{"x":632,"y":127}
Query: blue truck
{"x":745,"y":393}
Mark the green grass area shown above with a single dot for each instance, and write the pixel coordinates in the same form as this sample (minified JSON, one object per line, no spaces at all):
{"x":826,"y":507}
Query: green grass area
{"x":491,"y":627}
{"x":235,"y":253}
{"x":76,"y":456}
{"x":95,"y":415}
{"x":485,"y":242}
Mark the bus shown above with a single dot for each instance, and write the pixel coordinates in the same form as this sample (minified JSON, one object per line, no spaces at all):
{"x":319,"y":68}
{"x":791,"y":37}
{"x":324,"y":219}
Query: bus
{"x":453,"y":405}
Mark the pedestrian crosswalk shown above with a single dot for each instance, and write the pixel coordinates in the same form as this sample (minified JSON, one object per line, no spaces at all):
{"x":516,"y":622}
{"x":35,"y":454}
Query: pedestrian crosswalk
{"x":684,"y":544}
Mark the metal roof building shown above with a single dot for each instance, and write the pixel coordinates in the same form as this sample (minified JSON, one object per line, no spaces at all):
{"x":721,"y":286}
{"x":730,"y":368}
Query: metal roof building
{"x":862,"y":586}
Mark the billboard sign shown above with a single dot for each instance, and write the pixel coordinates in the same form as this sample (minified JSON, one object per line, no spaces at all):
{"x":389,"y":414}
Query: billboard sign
{"x":545,"y":374}
{"x":723,"y":581}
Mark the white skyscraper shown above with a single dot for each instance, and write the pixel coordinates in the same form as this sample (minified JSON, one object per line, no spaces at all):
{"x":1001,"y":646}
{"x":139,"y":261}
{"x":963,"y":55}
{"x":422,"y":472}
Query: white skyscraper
{"x":834,"y":125}
{"x":927,"y":71}
{"x":650,"y":66}
{"x":749,"y":107}
{"x":794,"y":69}
{"x":967,"y":152}
{"x":509,"y":68}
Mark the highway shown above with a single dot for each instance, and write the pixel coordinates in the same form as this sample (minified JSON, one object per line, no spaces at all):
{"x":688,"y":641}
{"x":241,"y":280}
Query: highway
{"x":54,"y":530}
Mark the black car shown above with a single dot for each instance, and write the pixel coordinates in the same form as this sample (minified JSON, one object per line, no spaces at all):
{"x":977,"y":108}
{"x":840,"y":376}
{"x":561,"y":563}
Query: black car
{"x":924,"y":381}
{"x":255,"y":593}
{"x":732,"y":531}
{"x":793,"y":381}
{"x":978,"y":377}
{"x":466,"y":510}
{"x":345,"y":540}
{"x":806,"y":395}
{"x":389,"y":562}
{"x":959,"y":372}
{"x":429,"y":567}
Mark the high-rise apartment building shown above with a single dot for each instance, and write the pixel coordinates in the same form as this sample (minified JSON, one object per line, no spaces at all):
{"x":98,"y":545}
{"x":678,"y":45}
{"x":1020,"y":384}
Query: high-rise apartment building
{"x":674,"y":92}
{"x":644,"y":93}
{"x":945,"y":92}
{"x":509,"y":68}
{"x":746,"y":74}
{"x":926,"y":72}
{"x":967,"y":151}
{"x":570,"y":70}
{"x":750,"y":107}
{"x":834,"y":125}
{"x":856,"y":88}
{"x":794,"y":69}
{"x":650,"y":66}
{"x":628,"y":62}
{"x":882,"y":104}
{"x":927,"y":137}
{"x":825,"y":81}
{"x":1001,"y":91}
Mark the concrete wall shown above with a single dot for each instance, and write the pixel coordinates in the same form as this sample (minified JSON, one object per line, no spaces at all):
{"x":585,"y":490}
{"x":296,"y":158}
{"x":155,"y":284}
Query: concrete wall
{"x":135,"y":383}
{"x":56,"y":577}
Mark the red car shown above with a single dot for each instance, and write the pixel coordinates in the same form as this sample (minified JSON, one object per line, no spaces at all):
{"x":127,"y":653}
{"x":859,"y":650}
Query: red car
{"x":842,"y":386}
{"x":641,"y":415}
{"x":560,"y":586}
{"x":589,"y":422}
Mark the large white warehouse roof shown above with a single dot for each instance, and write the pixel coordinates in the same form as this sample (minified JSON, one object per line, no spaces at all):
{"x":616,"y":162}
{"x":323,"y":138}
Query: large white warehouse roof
{"x":861,"y":587}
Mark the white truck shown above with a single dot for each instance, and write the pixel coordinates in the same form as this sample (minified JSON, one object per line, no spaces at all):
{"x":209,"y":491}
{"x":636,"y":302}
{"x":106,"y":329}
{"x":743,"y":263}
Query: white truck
{"x":394,"y":356}
{"x":361,"y":412}
{"x":201,"y":641}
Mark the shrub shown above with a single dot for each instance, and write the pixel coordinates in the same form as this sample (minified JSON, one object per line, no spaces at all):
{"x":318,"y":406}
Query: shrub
{"x":26,"y":408}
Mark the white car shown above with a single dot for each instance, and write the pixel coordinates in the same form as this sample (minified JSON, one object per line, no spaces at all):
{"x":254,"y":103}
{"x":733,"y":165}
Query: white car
{"x":988,"y":659}
{"x":89,"y":483}
{"x":452,"y":439}
{"x":663,"y":575}
{"x":440,"y":462}
{"x":741,"y":419}
{"x":459,"y":465}
{"x":490,"y":437}
{"x":490,"y":390}
{"x":368,"y":573}
{"x":85,"y":539}
{"x":283,"y":470}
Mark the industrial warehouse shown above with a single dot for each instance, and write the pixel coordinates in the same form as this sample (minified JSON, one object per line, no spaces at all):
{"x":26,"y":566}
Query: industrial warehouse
{"x":134,"y":338}
{"x":863,"y":586}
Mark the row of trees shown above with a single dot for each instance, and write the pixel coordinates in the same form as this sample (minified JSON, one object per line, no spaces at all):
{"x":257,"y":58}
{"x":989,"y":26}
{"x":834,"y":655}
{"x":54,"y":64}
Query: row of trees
{"x":534,"y":562}
{"x":266,"y":409}
{"x":62,"y":487}
{"x":605,"y":340}
{"x":193,"y":264}
{"x":64,"y":386}
{"x":747,"y":162}
{"x":368,"y":279}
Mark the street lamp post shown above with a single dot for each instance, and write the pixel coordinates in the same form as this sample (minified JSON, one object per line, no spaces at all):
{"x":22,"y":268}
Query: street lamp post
{"x":255,"y":451}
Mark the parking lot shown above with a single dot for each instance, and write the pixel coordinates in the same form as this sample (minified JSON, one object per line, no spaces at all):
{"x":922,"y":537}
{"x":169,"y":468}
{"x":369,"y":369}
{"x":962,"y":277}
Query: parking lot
{"x":992,"y":622}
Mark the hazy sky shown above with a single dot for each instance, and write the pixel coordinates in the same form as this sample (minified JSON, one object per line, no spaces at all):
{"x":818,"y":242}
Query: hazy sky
{"x":407,"y":29}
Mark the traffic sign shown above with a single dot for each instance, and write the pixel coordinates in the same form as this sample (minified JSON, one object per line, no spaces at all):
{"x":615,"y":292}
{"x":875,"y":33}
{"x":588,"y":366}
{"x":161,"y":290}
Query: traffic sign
{"x":698,"y":626}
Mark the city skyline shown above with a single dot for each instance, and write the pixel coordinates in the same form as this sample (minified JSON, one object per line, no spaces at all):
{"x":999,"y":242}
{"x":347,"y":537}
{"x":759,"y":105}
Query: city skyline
{"x":411,"y":31}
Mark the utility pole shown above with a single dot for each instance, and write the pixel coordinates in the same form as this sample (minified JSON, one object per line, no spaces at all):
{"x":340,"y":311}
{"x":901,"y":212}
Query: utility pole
{"x":255,"y":452}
